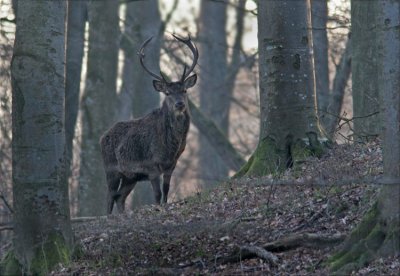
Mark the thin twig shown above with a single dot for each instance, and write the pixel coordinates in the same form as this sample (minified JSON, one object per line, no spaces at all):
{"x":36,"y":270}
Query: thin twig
{"x":6,"y":203}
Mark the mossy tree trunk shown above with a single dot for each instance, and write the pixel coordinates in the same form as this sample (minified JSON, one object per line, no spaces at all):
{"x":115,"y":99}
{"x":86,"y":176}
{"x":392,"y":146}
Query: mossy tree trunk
{"x":289,"y":123}
{"x":98,"y":103}
{"x":42,"y":230}
{"x":379,"y":232}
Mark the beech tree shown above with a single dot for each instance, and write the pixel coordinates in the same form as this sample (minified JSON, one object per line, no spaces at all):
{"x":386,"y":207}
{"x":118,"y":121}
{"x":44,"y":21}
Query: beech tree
{"x":76,"y":19}
{"x":289,"y":125}
{"x":319,"y":17}
{"x":219,"y":77}
{"x":98,"y":103}
{"x":42,"y":230}
{"x":214,"y":101}
{"x":378,"y":234}
{"x":365,"y":91}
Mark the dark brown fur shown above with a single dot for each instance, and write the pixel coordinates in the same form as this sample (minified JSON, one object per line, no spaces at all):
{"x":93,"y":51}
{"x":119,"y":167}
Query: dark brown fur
{"x":148,"y":147}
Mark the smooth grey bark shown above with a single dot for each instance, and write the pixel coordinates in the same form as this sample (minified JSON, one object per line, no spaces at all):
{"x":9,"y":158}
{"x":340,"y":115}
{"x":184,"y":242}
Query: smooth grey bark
{"x":342,"y":76}
{"x":319,"y":18}
{"x":287,"y":96}
{"x":378,"y":234}
{"x":76,"y":21}
{"x":214,"y":97}
{"x":389,"y":85}
{"x":40,"y":190}
{"x":366,"y":99}
{"x":138,"y":96}
{"x":98,"y":103}
{"x":289,"y":124}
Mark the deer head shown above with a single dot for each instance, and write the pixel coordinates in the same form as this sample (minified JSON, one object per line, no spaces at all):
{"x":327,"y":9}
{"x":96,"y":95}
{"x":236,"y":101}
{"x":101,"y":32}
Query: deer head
{"x":176,"y":97}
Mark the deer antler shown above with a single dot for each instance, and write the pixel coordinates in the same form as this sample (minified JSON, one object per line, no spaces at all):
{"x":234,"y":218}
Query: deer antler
{"x":142,"y":55}
{"x":188,"y":42}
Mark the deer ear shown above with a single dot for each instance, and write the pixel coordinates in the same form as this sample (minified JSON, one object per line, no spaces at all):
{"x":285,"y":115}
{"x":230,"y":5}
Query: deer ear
{"x":190,"y":81}
{"x":159,"y":86}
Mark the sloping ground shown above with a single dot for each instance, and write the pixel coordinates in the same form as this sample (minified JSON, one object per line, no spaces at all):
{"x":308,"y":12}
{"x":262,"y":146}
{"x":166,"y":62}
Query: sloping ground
{"x":203,"y":234}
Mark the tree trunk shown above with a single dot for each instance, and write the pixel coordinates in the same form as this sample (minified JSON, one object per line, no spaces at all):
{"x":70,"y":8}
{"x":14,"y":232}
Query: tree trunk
{"x":76,"y":19}
{"x":234,"y":65}
{"x":342,"y":75}
{"x":138,"y":96}
{"x":319,"y":17}
{"x":289,"y":124}
{"x":379,"y":232}
{"x":98,"y":103}
{"x":42,"y":230}
{"x":364,"y":77}
{"x":388,"y":22}
{"x":214,"y":98}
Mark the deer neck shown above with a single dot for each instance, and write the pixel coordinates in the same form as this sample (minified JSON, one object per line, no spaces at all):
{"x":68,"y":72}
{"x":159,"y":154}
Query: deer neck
{"x":176,"y":123}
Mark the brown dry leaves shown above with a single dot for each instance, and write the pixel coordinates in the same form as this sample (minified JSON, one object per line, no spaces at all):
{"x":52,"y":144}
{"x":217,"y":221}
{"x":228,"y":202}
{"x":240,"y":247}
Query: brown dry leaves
{"x":189,"y":237}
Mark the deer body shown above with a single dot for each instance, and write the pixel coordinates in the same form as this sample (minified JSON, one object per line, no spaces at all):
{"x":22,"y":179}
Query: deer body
{"x":148,"y":147}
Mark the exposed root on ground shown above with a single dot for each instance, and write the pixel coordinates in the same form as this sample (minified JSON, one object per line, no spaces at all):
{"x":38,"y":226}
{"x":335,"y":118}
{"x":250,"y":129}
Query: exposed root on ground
{"x":291,"y":242}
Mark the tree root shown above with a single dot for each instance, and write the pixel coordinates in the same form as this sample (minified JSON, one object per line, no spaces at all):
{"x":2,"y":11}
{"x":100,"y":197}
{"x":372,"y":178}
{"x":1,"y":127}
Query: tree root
{"x":304,"y":240}
{"x":248,"y":252}
{"x":291,"y":242}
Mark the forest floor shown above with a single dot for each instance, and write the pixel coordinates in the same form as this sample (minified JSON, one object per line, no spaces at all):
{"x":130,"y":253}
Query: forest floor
{"x":243,"y":227}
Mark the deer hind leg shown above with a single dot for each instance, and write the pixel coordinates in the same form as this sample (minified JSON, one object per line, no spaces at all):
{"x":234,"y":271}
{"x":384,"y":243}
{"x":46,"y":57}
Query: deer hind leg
{"x":110,"y":203}
{"x":125,"y":188}
{"x":155,"y":183}
{"x":113,"y":181}
{"x":166,"y":181}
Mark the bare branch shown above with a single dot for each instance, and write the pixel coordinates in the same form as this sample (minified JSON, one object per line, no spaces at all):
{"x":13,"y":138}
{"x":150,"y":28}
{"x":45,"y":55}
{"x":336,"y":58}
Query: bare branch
{"x":6,"y":227}
{"x":6,"y":203}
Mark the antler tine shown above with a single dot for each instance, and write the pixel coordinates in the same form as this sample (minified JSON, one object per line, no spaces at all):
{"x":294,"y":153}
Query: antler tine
{"x":141,"y":54}
{"x":184,"y":73}
{"x":188,"y":42}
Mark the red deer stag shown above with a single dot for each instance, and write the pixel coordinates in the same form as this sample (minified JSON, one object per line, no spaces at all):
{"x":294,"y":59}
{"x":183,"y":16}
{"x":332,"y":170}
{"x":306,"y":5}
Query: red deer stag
{"x":149,"y":147}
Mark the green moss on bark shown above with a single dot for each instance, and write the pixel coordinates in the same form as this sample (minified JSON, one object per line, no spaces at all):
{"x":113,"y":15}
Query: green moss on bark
{"x":272,"y":157}
{"x":267,"y":159}
{"x":245,"y":168}
{"x":52,"y":252}
{"x":46,"y":257}
{"x":372,"y":237}
{"x":10,"y":265}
